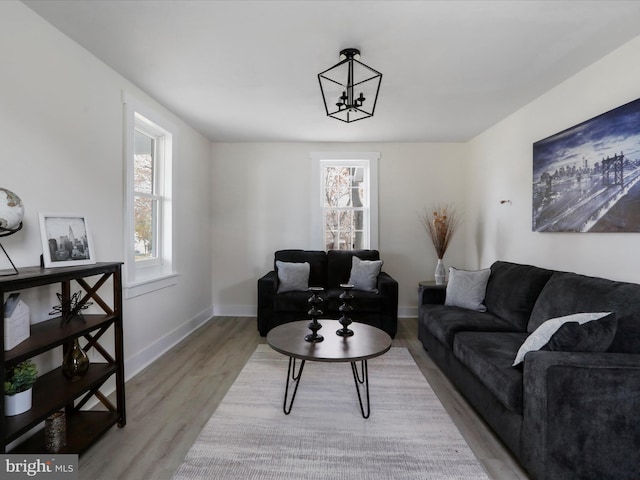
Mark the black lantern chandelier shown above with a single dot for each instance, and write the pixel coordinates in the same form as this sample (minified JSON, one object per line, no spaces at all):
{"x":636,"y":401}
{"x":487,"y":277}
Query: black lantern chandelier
{"x":350,"y":88}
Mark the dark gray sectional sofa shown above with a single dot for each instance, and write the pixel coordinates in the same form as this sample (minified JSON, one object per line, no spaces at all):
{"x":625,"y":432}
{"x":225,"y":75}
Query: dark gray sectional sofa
{"x":563,"y":414}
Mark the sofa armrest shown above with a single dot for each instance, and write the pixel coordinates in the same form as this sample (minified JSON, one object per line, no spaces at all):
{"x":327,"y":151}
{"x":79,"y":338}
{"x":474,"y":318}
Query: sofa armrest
{"x":581,"y":415}
{"x":431,"y":294}
{"x":269,"y":282}
{"x":267,"y":289}
{"x":388,"y":288}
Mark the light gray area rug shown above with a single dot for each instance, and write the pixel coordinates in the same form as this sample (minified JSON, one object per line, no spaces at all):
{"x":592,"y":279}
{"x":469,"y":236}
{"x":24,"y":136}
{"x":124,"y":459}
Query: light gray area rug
{"x":408,"y":436}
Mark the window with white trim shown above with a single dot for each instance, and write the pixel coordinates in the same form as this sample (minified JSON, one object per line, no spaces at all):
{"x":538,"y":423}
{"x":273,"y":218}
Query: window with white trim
{"x":148,"y":208}
{"x":345,"y":201}
{"x":148,"y":156}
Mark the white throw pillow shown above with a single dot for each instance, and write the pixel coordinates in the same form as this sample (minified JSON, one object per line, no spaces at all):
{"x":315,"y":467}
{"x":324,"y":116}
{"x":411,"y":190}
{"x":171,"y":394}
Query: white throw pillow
{"x":466,"y":288}
{"x":364,"y":274}
{"x":293,"y":276}
{"x":542,"y":335}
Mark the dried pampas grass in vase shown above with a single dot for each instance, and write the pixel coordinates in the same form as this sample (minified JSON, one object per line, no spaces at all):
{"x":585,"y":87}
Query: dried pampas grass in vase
{"x":440,"y":223}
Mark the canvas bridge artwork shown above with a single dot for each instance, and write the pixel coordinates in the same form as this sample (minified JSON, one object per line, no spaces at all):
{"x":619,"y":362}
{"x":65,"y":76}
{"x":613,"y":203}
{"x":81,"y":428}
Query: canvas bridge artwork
{"x":587,"y":178}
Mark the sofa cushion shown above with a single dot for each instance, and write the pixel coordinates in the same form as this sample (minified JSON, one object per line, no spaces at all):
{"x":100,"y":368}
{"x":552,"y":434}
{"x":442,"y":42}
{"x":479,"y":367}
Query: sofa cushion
{"x":339,"y":264}
{"x":317,"y":263}
{"x":512,"y":291}
{"x":568,"y":293}
{"x":444,"y":322}
{"x":579,"y":332}
{"x":292,"y":276}
{"x":489,"y":356}
{"x":364,"y":274}
{"x":466,"y":289}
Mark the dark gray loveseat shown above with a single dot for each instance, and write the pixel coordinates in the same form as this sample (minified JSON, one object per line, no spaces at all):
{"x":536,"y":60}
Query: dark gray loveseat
{"x":327,"y":269}
{"x":564,"y":415}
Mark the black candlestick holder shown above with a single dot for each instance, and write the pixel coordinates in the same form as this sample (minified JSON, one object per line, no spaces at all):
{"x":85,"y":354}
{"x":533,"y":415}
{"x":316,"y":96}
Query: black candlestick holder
{"x":315,"y":301}
{"x":345,"y":309}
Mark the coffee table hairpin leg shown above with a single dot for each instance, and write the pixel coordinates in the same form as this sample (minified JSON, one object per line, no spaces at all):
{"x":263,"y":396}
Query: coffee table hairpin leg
{"x":364,"y":380}
{"x":291,"y":374}
{"x":358,"y":379}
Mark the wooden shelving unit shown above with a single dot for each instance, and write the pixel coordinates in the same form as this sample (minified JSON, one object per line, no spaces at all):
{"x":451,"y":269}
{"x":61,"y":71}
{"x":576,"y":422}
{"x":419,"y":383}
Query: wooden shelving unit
{"x":52,"y":391}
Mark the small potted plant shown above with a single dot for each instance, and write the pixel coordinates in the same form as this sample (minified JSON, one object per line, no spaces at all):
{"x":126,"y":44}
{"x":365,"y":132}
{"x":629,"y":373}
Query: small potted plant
{"x":18,"y":381}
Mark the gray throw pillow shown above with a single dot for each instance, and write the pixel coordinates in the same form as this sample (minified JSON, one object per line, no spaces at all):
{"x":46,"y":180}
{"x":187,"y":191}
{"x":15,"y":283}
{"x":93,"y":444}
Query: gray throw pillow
{"x":364,"y":274}
{"x":466,"y":288}
{"x":579,"y":332}
{"x":292,"y":276}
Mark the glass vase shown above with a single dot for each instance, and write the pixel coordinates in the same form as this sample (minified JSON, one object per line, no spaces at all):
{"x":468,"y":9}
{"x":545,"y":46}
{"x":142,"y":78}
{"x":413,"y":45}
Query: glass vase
{"x":76,"y":362}
{"x":441,"y":273}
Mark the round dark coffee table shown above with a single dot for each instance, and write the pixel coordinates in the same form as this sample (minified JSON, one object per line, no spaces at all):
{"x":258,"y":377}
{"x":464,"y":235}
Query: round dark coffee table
{"x":367,"y":342}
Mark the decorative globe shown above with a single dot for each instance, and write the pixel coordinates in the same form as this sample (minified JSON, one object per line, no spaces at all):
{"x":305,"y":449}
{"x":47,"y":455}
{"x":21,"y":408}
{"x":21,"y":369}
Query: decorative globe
{"x":11,"y":210}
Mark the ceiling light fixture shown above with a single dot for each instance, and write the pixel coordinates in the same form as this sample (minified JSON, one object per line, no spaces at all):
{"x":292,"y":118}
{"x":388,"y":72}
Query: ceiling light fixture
{"x":350,"y":88}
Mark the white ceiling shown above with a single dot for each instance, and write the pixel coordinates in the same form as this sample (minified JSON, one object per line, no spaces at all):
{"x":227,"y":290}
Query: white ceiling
{"x":247,"y":70}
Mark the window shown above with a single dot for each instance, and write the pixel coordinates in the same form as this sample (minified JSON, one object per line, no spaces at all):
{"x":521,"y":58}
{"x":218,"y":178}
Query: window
{"x":345,"y":201}
{"x":345,"y":205}
{"x":148,"y":206}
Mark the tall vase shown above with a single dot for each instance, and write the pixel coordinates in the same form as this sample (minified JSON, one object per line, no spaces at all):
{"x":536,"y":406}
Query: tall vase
{"x":75,"y":363}
{"x":441,"y":273}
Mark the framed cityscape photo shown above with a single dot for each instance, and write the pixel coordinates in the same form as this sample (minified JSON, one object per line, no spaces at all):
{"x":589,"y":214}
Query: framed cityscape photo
{"x":66,"y":240}
{"x":587,"y":178}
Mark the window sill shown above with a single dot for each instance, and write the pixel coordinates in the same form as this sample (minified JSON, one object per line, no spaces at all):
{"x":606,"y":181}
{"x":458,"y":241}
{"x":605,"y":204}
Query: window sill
{"x":144,"y":286}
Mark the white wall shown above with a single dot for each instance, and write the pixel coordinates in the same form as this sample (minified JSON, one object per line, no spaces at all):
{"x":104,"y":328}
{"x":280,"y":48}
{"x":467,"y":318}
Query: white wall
{"x":501,"y":168}
{"x":261,"y":203}
{"x":61,"y":144}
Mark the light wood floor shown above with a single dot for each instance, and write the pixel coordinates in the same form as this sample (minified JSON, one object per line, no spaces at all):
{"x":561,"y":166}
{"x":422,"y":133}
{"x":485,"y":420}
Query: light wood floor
{"x":169,"y":403}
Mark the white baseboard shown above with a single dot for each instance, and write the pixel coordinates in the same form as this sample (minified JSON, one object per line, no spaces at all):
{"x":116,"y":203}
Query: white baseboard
{"x":139,"y":361}
{"x":235,"y":310}
{"x":251,"y":311}
{"x":407,"y":312}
